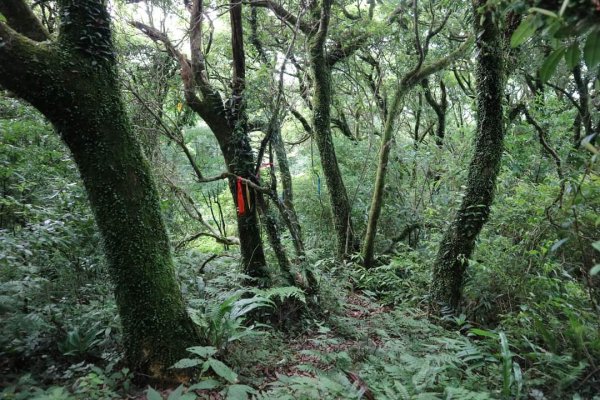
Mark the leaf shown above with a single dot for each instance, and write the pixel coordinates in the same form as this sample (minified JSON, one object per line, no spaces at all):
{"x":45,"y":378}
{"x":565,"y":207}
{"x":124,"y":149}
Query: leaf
{"x":524,"y":31}
{"x":572,"y":55}
{"x":207,"y":384}
{"x":591,"y":50}
{"x":481,"y":332}
{"x":595,"y":270}
{"x":202,"y":351}
{"x":556,"y":245}
{"x":549,"y":66}
{"x":543,"y":11}
{"x":239,"y":392}
{"x":596,"y":245}
{"x":222,"y":370}
{"x":152,"y":394}
{"x":176,"y":394}
{"x":187,"y":363}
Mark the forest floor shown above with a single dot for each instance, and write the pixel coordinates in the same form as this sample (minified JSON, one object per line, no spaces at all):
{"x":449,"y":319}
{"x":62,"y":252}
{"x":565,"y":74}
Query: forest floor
{"x":367,"y":351}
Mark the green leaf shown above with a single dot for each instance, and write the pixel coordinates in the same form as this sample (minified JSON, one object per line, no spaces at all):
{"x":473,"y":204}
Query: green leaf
{"x":484,"y":333}
{"x":207,"y":384}
{"x":152,"y":394}
{"x":591,"y":50}
{"x":543,"y":11}
{"x":187,"y":363}
{"x":239,"y":392}
{"x":222,"y":370}
{"x":176,"y":394}
{"x":595,"y":270}
{"x":572,"y":55}
{"x":596,"y":245}
{"x":564,"y":6}
{"x":524,"y":31}
{"x":549,"y":66}
{"x":557,"y":245}
{"x":202,"y":351}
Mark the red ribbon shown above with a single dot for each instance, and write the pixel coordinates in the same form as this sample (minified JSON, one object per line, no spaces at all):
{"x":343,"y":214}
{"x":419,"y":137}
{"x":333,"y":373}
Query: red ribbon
{"x":240,"y":197}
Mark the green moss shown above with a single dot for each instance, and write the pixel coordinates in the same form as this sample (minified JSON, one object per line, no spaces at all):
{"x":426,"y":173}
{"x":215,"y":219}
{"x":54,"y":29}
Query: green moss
{"x":459,"y":240}
{"x":74,"y":84}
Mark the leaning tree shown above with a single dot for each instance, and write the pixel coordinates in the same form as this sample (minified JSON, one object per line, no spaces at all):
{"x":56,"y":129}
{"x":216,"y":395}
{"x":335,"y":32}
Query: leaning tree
{"x":72,"y":80}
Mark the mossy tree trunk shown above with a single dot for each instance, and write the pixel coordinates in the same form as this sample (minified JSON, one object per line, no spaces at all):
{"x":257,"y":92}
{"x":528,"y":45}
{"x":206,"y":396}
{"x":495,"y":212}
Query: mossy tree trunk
{"x":321,"y":120}
{"x":322,"y":58}
{"x":405,"y":84}
{"x":227,"y":120}
{"x":73,"y":82}
{"x":459,"y":240}
{"x":290,"y":215}
{"x":273,"y":135}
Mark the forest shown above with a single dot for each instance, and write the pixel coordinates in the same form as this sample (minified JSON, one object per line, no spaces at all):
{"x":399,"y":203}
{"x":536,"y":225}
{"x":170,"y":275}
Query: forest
{"x":299,"y":199}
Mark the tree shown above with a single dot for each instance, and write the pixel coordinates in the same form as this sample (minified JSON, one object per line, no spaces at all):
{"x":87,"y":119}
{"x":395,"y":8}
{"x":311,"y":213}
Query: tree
{"x":459,"y":240}
{"x":321,"y":60}
{"x":412,"y":78}
{"x":72,"y":81}
{"x":227,"y":120}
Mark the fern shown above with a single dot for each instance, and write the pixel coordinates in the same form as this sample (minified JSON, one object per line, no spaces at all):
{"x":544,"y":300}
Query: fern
{"x":281,"y":293}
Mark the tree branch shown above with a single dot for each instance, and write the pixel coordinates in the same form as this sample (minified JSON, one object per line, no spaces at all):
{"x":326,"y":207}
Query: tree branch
{"x":26,"y":66}
{"x":20,"y":17}
{"x":210,"y":108}
{"x":283,"y":14}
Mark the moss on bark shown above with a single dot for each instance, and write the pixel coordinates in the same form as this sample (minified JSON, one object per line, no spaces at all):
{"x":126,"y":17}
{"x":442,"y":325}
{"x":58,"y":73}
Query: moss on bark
{"x":321,"y":118}
{"x":459,"y":240}
{"x":75,"y":85}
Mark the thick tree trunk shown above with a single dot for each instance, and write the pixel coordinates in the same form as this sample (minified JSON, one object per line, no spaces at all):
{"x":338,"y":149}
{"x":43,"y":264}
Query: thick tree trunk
{"x":74,"y":84}
{"x":241,"y":163}
{"x":321,"y":119}
{"x":459,"y":240}
{"x":125,"y":202}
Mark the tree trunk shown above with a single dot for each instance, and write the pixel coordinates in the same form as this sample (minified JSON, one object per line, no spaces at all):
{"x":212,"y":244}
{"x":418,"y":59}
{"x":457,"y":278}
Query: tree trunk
{"x":406,"y":83}
{"x":368,"y":251}
{"x":272,"y":228}
{"x":459,"y":240}
{"x":321,"y":118}
{"x":74,"y":84}
{"x":240,"y":162}
{"x":289,"y":211}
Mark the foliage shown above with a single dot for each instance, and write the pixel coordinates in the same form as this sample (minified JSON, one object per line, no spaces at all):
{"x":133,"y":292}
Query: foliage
{"x":529,"y":322}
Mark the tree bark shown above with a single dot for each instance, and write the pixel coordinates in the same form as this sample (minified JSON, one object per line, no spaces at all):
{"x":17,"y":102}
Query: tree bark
{"x":228,"y":122}
{"x":406,"y":83}
{"x":290,"y":215}
{"x":459,"y":240}
{"x":440,"y":110}
{"x":74,"y":84}
{"x":321,"y":120}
